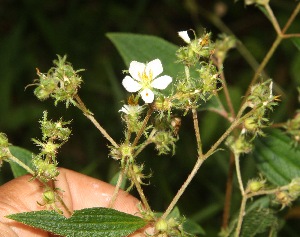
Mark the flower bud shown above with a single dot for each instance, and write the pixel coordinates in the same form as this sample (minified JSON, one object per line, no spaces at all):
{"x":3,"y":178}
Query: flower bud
{"x":161,"y":226}
{"x":255,"y":185}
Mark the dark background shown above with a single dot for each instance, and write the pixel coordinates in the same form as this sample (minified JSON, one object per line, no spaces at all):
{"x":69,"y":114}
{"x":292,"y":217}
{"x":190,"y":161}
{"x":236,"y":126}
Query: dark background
{"x":32,"y":32}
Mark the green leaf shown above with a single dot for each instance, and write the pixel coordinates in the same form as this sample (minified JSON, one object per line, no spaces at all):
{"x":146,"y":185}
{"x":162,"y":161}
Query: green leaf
{"x":145,"y":48}
{"x":89,"y":222}
{"x":192,"y":227}
{"x":23,"y":155}
{"x":276,"y":158}
{"x":258,"y":221}
{"x":296,"y":42}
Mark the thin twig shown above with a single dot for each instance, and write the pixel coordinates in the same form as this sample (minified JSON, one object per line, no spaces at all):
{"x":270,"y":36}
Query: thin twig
{"x":117,"y":188}
{"x":139,"y":189}
{"x":238,"y":173}
{"x":197,"y":132}
{"x":228,"y":194}
{"x":89,"y":115}
{"x":273,"y":19}
{"x":138,"y":136}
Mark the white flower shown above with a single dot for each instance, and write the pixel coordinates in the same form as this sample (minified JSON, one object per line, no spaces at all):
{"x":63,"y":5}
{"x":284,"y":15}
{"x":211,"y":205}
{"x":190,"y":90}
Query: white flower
{"x":143,"y":78}
{"x":131,"y":109}
{"x":184,"y":35}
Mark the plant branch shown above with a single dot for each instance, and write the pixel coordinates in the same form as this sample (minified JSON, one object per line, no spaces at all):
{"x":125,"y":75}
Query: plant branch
{"x":238,"y":173}
{"x":138,"y":136}
{"x":273,"y":19}
{"x":139,"y":189}
{"x":228,"y":194}
{"x":225,"y":89}
{"x":20,"y":163}
{"x":197,"y":132}
{"x":90,"y":116}
{"x":117,"y":188}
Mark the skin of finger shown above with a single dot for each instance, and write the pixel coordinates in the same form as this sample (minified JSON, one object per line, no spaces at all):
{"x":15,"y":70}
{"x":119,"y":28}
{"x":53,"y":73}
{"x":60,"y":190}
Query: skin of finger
{"x":80,"y":191}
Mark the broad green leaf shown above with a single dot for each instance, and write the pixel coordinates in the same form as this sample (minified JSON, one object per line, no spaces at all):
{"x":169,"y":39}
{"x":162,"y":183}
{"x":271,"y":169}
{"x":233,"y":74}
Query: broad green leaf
{"x":23,"y":155}
{"x":89,"y":222}
{"x":145,"y":48}
{"x":193,"y":227}
{"x":256,"y":221}
{"x":276,"y":158}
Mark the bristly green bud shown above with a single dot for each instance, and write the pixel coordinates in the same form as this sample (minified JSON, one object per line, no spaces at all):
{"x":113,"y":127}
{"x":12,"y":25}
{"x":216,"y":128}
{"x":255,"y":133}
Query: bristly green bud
{"x":198,"y":48}
{"x":292,"y":127}
{"x":132,"y":117}
{"x":223,"y":45}
{"x":255,"y":185}
{"x":47,"y":148}
{"x":61,"y":82}
{"x":44,"y":170}
{"x":294,"y":188}
{"x":4,"y":151}
{"x":165,"y":142}
{"x":239,"y":145}
{"x":54,"y":130}
{"x":283,"y":198}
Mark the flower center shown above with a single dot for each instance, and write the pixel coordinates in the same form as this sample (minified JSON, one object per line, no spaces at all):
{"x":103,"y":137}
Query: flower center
{"x":146,"y":79}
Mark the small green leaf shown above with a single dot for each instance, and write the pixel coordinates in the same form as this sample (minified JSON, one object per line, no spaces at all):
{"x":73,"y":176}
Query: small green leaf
{"x":89,"y":222}
{"x":296,"y":42}
{"x":192,"y":227}
{"x":23,"y":155}
{"x":276,"y":158}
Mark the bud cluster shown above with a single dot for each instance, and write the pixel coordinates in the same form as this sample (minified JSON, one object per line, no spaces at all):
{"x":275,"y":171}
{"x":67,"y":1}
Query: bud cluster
{"x":61,"y":82}
{"x":286,"y":197}
{"x":239,"y":145}
{"x":261,"y":100}
{"x":55,"y":134}
{"x":170,"y":227}
{"x":4,"y":151}
{"x":292,"y":127}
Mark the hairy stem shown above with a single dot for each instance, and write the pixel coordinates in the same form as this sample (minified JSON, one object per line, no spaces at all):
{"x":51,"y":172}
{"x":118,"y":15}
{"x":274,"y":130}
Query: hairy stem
{"x":238,"y":172}
{"x":90,"y":116}
{"x":228,"y":194}
{"x":117,"y":188}
{"x":20,"y":163}
{"x":138,"y":136}
{"x":197,"y":132}
{"x":139,"y":189}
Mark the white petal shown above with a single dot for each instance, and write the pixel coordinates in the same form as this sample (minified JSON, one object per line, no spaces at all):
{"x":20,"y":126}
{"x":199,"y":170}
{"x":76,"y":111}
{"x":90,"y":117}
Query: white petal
{"x":184,"y":35}
{"x":136,"y":69}
{"x":155,"y":67}
{"x":147,"y":96}
{"x":161,"y":82}
{"x":124,"y":109}
{"x":130,"y":84}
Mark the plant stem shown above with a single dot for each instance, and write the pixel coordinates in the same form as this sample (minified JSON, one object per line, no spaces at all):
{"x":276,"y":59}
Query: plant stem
{"x":144,"y":144}
{"x":197,"y":132}
{"x":198,"y":164}
{"x":183,"y":187}
{"x":241,"y":216}
{"x":117,"y":188}
{"x":90,"y":116}
{"x":228,"y":194}
{"x":238,"y":173}
{"x":20,"y":163}
{"x":139,"y":189}
{"x":279,"y":38}
{"x":226,"y":91}
{"x":138,"y":136}
{"x":273,"y":19}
